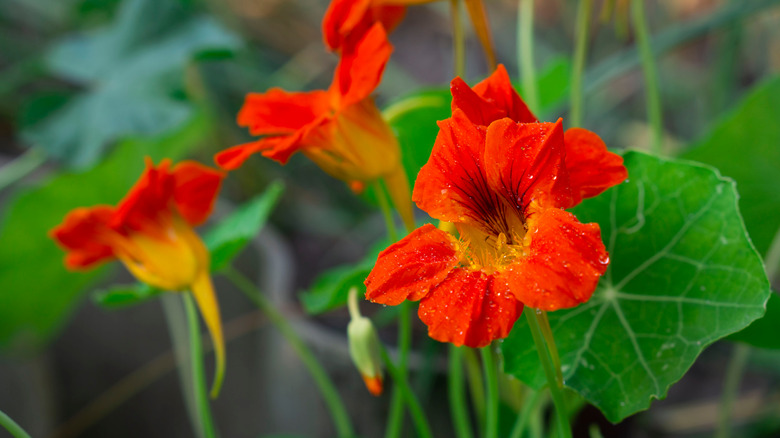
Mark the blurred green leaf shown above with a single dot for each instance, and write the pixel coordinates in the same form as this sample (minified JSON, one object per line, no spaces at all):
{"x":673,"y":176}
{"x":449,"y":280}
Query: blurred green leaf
{"x":745,"y":145}
{"x":763,"y":332}
{"x":331,"y":288}
{"x":553,"y":85}
{"x":118,"y":296}
{"x":226,"y":239}
{"x":683,"y":274}
{"x":132,"y":73}
{"x":37,"y":291}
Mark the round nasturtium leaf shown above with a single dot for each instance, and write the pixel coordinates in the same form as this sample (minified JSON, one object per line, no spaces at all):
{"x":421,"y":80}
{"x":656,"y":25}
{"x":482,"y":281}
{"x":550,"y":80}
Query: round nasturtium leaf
{"x":683,"y":273}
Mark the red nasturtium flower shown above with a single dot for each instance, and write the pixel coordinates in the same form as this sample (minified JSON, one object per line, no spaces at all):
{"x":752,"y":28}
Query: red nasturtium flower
{"x":150,"y":232}
{"x":503,"y":179}
{"x":346,"y":21}
{"x":340,"y":128}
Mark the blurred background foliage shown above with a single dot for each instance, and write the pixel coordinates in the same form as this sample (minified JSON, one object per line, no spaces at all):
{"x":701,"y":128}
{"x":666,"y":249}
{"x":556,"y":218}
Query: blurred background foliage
{"x":90,"y":87}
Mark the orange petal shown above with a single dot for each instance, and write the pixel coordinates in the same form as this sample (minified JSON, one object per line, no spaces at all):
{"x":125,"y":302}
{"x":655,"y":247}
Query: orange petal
{"x":360,"y":70}
{"x":203,"y":291}
{"x":452,"y":185}
{"x":591,"y":167}
{"x":278,"y":112}
{"x":83,"y":235}
{"x":374,"y":385}
{"x":195,"y":190}
{"x":146,"y":205}
{"x":469,"y":308}
{"x":566,"y":259}
{"x":499,"y":91}
{"x":347,"y":21}
{"x":482,"y":29}
{"x":525,"y":162}
{"x":407,"y":269}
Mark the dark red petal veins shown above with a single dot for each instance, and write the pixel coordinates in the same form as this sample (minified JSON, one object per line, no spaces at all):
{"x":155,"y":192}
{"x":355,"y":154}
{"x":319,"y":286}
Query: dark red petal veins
{"x":469,"y":308}
{"x":410,"y":267}
{"x":591,"y":167}
{"x":566,"y":259}
{"x":195,"y":191}
{"x":524,"y":162}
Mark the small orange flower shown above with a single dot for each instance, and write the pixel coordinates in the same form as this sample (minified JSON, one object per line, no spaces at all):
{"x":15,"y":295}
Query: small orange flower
{"x":150,"y":232}
{"x":346,"y":21}
{"x":340,"y":129}
{"x":503,"y":180}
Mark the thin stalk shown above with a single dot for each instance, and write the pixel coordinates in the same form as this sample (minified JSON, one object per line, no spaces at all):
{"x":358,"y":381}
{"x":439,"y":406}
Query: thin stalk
{"x":556,"y":391}
{"x":529,"y":404}
{"x":651,"y":75}
{"x":460,"y":413}
{"x":476,"y":386}
{"x":387,"y":212}
{"x":198,"y":373}
{"x":458,"y":39}
{"x":328,"y":390}
{"x":736,"y":368}
{"x":491,"y":383}
{"x":525,"y":47}
{"x":11,"y":426}
{"x":584,"y":9}
{"x":396,"y":415}
{"x":544,"y":324}
{"x":399,"y":377}
{"x":772,"y":259}
{"x":21,"y":167}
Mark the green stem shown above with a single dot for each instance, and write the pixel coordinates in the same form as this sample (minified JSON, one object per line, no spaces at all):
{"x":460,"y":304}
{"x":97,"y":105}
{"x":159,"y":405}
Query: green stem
{"x":387,"y":212}
{"x":395,"y":417}
{"x":460,"y":413}
{"x":734,"y":373}
{"x":198,"y":373}
{"x":556,"y":390}
{"x":525,"y":47}
{"x":458,"y":39}
{"x":772,"y":259}
{"x":321,"y":379}
{"x":11,"y":426}
{"x":399,"y":377}
{"x":651,"y":75}
{"x":476,"y":385}
{"x":491,"y":383}
{"x":529,"y":406}
{"x":21,"y":167}
{"x":544,"y":325}
{"x":584,"y":9}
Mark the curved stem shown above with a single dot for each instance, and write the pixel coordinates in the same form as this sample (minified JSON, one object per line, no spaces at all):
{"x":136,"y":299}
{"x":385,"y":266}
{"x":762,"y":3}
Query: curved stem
{"x":476,"y":386}
{"x":460,"y":413}
{"x":544,"y":325}
{"x":328,"y":390}
{"x":580,"y":51}
{"x":525,"y":56}
{"x":458,"y":39}
{"x":21,"y":167}
{"x":396,"y":415}
{"x":651,"y":75}
{"x":399,"y":376}
{"x":491,"y":383}
{"x":11,"y":426}
{"x":198,"y":373}
{"x":387,"y":212}
{"x":529,"y":404}
{"x":734,"y":373}
{"x":556,"y":390}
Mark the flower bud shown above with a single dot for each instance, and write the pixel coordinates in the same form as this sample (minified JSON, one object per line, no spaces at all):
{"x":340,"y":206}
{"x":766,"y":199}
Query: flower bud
{"x":364,"y":346}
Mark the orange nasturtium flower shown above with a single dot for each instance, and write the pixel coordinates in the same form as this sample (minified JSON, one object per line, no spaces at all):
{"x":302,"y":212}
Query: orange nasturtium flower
{"x":150,"y":232}
{"x":340,"y":128}
{"x":503,"y":179}
{"x":346,"y":21}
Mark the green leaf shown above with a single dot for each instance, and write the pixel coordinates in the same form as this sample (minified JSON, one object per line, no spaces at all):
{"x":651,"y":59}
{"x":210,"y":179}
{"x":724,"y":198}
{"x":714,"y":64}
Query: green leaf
{"x":38,"y":292}
{"x":118,"y":296}
{"x":683,"y":274}
{"x":745,"y":146}
{"x":230,"y":236}
{"x":331,"y":288}
{"x":763,"y":332}
{"x":132,"y":73}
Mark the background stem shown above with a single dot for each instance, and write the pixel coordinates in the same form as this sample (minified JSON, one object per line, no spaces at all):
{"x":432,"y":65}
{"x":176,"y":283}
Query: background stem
{"x":399,"y":377}
{"x":578,"y":66}
{"x":736,"y":368}
{"x":460,"y":413}
{"x":196,"y":363}
{"x":458,"y":39}
{"x":11,"y":426}
{"x":491,"y":383}
{"x":651,"y":75}
{"x":525,"y":56}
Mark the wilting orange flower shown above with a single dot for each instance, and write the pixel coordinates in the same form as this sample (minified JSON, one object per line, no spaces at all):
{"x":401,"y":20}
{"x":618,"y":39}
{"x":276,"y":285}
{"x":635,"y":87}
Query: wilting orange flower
{"x":340,"y":129}
{"x":346,"y":21}
{"x":503,"y":180}
{"x":150,"y":232}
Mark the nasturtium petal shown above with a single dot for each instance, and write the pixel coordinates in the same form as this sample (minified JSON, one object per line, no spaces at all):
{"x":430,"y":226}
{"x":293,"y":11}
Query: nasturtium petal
{"x":683,"y":273}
